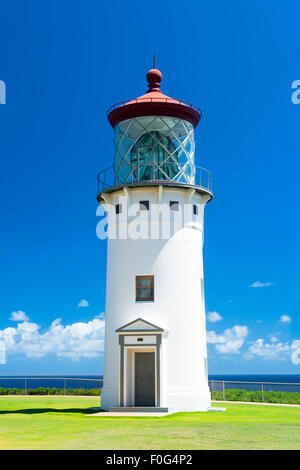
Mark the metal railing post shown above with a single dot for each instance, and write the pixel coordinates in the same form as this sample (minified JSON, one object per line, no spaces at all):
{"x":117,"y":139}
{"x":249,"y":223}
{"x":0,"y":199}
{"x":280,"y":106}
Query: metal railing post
{"x":262,"y":392}
{"x":65,"y":387}
{"x":212,"y":389}
{"x":223,"y":390}
{"x":25,"y":385}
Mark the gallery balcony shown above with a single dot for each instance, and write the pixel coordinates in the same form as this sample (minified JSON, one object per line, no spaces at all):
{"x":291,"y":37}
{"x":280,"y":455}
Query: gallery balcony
{"x":150,"y":174}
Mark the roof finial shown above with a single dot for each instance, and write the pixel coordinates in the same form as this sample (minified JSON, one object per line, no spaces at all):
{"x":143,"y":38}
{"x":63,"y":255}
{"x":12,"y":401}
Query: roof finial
{"x":154,"y":77}
{"x":154,"y":61}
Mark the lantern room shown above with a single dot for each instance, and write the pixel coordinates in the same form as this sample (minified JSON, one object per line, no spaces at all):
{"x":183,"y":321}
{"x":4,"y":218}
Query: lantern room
{"x":154,"y":140}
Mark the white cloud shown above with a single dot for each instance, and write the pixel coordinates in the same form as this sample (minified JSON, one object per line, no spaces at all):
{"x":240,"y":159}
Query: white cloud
{"x":83,"y":303}
{"x":273,"y":350}
{"x":19,"y":315}
{"x":261,"y":284}
{"x":100,"y":315}
{"x":74,"y":341}
{"x":230,"y":341}
{"x":295,"y":356}
{"x":2,"y":352}
{"x":285,"y":319}
{"x":214,"y":316}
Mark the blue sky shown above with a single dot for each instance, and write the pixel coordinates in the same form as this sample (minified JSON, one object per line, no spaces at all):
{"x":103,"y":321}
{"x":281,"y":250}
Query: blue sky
{"x":64,"y":63}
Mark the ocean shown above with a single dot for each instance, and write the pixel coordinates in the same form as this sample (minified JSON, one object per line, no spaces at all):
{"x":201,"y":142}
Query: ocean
{"x":96,"y":381}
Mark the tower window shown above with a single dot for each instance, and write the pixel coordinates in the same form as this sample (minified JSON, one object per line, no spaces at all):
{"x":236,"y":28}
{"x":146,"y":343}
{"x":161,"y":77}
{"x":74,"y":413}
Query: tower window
{"x":174,"y":205}
{"x":118,"y":208}
{"x":144,"y":288}
{"x":144,"y":205}
{"x":195,"y":209}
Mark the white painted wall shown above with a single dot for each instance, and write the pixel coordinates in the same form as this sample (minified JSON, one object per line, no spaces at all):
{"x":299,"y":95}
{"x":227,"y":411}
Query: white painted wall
{"x":177,"y":266}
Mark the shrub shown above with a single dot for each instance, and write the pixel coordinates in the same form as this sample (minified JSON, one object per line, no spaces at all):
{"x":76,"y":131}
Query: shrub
{"x":235,"y":394}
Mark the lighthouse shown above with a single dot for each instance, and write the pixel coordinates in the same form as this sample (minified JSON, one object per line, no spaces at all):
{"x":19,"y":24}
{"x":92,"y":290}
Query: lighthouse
{"x":154,"y":195}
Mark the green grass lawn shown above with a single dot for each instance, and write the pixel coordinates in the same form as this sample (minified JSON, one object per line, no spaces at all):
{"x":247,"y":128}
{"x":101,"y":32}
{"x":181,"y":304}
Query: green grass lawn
{"x":58,"y":422}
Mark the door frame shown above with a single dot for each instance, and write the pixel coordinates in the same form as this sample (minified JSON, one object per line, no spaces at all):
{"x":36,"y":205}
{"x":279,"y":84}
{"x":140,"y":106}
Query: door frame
{"x":126,"y":375}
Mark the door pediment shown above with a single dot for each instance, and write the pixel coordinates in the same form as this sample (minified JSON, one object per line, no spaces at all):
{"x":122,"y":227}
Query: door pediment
{"x":139,"y":325}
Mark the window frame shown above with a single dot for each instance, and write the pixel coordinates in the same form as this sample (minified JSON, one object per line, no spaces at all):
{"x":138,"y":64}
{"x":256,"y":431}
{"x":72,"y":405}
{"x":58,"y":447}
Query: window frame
{"x":144,"y":299}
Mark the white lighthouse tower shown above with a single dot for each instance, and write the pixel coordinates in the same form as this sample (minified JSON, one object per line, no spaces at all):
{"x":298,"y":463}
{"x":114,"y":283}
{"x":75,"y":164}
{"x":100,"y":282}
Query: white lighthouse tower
{"x":155,"y":338}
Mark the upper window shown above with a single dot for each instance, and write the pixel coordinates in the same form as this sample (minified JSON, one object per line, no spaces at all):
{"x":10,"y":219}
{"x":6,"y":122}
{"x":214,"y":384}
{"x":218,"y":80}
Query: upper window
{"x":144,"y":205}
{"x":174,"y":205}
{"x":195,"y":209}
{"x":118,"y":208}
{"x":144,"y":288}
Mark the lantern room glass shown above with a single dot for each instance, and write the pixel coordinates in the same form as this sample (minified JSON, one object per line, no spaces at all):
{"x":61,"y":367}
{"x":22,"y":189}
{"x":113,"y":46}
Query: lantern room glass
{"x":154,"y":148}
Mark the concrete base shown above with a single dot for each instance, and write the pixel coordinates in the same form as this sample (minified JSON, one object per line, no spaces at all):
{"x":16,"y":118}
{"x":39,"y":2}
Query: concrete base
{"x":138,"y":409}
{"x":135,"y":414}
{"x":150,"y":412}
{"x":215,"y":408}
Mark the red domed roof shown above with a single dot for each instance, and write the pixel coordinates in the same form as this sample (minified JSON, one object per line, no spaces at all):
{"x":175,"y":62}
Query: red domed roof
{"x":154,"y":103}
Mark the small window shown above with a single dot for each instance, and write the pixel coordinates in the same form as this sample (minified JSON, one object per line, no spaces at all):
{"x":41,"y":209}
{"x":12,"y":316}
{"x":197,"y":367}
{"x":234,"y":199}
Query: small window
{"x":195,"y":209}
{"x":118,"y":208}
{"x":144,"y":288}
{"x":144,"y":205}
{"x":174,"y":205}
{"x":140,"y":339}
